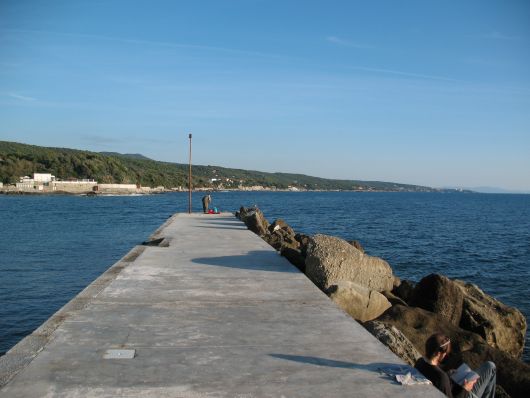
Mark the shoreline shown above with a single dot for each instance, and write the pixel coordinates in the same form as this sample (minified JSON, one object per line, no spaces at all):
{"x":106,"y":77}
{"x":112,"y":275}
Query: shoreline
{"x":91,"y":193}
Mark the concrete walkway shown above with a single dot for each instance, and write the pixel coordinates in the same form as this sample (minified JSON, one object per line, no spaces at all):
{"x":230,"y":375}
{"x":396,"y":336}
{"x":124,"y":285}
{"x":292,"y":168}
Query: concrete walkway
{"x":215,"y":313}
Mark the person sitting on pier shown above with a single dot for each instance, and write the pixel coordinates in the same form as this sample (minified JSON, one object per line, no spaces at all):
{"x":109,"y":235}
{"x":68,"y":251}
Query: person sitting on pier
{"x":206,"y":203}
{"x":437,"y":347}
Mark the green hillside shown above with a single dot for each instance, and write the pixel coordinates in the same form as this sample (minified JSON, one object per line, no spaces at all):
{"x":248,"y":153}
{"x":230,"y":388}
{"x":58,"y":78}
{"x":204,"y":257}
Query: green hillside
{"x":20,"y":159}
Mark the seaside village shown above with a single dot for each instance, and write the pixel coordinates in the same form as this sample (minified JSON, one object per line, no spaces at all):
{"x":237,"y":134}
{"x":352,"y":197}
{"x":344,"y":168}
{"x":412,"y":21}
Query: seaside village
{"x":47,"y":183}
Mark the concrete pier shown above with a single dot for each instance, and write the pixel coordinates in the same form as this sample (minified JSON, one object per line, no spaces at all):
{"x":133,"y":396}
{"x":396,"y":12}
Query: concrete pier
{"x":211,"y":311}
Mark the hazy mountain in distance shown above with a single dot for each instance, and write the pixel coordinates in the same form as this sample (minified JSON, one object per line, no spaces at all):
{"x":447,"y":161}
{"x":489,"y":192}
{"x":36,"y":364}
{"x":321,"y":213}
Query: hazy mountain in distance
{"x":485,"y":189}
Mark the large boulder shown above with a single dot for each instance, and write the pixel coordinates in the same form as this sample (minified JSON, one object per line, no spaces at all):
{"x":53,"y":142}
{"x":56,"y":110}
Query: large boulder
{"x":294,"y":257}
{"x":467,"y":306}
{"x":418,"y":324}
{"x":303,"y":240}
{"x":356,"y":244}
{"x":330,"y":260}
{"x":280,"y":224}
{"x":358,"y":301}
{"x":439,"y":294}
{"x":513,"y":375}
{"x":281,"y":235}
{"x":254,"y":220}
{"x":396,"y":341}
{"x":502,"y":327}
{"x":393,"y":298}
{"x":404,"y":290}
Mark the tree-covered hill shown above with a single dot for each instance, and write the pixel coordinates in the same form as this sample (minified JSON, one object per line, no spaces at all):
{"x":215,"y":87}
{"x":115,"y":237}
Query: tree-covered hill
{"x":18,"y":160}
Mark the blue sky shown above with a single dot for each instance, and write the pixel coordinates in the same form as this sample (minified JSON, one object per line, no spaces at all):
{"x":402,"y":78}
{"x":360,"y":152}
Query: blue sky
{"x":426,"y":92}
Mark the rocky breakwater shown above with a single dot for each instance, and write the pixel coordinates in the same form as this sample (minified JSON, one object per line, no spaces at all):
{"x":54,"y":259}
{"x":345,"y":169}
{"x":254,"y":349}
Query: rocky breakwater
{"x":403,"y":314}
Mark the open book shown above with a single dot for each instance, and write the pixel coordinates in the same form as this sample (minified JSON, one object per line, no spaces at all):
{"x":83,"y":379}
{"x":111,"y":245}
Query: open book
{"x":464,"y":372}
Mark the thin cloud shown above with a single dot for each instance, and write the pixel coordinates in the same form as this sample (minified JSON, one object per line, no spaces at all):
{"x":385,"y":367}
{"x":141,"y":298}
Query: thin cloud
{"x":345,"y":43}
{"x":402,"y":73}
{"x":21,"y":97}
{"x":151,"y":43}
{"x":495,"y":35}
{"x":99,"y":139}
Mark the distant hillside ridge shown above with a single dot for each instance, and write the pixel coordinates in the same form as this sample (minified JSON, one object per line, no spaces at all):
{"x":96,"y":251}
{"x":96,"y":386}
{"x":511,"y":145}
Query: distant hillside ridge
{"x":127,"y":155}
{"x":18,"y":160}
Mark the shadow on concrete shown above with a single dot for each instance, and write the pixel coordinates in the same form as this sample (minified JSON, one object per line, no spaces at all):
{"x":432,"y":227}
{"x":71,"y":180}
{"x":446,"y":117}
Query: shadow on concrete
{"x":225,"y":222}
{"x":241,"y":228}
{"x":258,"y":260}
{"x":376,"y":367}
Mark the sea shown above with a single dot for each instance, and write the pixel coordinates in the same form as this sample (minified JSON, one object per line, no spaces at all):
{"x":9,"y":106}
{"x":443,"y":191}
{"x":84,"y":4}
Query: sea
{"x":51,"y":247}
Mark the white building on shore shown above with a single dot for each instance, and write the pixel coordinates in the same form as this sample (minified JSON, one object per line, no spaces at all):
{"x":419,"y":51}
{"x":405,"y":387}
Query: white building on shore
{"x":25,"y":183}
{"x":43,"y":177}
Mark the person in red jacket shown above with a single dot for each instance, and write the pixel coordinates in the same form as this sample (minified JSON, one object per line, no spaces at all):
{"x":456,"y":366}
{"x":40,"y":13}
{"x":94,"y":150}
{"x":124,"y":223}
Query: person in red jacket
{"x":437,"y":347}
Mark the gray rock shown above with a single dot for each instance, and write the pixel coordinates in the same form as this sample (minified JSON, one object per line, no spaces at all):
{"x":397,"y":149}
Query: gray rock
{"x":394,"y":340}
{"x":330,"y":260}
{"x":358,"y":301}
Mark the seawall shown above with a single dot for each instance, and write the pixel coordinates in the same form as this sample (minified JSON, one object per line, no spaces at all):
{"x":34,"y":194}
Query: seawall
{"x":208,"y":310}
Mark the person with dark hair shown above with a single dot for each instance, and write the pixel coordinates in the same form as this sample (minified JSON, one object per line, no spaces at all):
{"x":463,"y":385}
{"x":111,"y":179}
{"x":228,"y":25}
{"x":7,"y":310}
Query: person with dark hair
{"x":437,"y":347}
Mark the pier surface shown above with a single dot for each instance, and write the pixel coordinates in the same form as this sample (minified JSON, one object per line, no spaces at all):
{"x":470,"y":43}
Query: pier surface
{"x":212,"y":311}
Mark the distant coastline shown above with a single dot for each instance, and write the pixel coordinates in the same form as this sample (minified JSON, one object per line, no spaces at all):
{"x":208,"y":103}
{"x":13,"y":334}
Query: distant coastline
{"x":15,"y":192}
{"x":18,"y":162}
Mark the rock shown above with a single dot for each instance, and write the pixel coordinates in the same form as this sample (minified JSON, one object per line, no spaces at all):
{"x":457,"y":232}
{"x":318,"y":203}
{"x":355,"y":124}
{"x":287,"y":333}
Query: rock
{"x":500,"y":392}
{"x":303,"y":240}
{"x":397,"y":282}
{"x":418,"y":324}
{"x":512,"y":375}
{"x":462,"y":304}
{"x":295,"y":257}
{"x":502,"y":327}
{"x":358,"y":301}
{"x":330,"y":260}
{"x":254,"y":220}
{"x":356,"y":244}
{"x":280,"y":235}
{"x":275,"y":240}
{"x":281,"y":224}
{"x":394,"y":340}
{"x":404,"y":291}
{"x":438,"y":294}
{"x":281,"y":238}
{"x":393,"y":299}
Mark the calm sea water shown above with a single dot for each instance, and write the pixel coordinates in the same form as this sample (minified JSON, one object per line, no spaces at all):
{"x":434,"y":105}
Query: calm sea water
{"x":51,"y":247}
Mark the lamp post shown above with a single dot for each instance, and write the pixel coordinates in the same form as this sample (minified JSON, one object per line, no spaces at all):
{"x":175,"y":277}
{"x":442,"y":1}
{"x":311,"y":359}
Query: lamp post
{"x":189,"y":182}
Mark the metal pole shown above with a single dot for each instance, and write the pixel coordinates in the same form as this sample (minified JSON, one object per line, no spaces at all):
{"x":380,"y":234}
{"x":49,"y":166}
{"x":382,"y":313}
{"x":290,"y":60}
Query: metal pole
{"x":189,"y":183}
